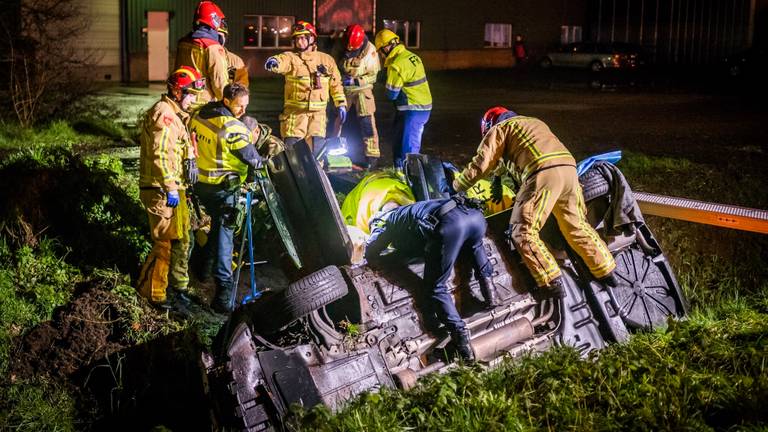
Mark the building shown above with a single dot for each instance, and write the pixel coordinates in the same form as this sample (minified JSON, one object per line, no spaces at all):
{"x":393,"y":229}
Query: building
{"x":138,"y":37}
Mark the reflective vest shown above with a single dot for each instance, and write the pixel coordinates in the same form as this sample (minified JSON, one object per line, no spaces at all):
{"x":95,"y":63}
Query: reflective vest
{"x":164,"y":144}
{"x":406,"y":81}
{"x":524,"y":144}
{"x":300,"y":70}
{"x":373,"y":191}
{"x":209,"y":58}
{"x":218,"y":133}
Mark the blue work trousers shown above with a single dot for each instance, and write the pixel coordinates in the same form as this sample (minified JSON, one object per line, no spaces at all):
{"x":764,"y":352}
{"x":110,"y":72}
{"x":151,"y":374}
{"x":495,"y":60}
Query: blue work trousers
{"x":409,"y":126}
{"x":460,"y":229}
{"x":219,"y":202}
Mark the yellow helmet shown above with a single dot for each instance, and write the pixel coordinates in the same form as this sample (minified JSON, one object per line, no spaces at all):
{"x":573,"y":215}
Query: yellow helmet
{"x":384,"y":38}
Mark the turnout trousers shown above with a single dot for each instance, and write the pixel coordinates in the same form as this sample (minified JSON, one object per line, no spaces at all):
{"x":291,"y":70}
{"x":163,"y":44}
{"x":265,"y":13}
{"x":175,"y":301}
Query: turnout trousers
{"x":168,"y":262}
{"x":556,"y":191}
{"x":460,"y":229}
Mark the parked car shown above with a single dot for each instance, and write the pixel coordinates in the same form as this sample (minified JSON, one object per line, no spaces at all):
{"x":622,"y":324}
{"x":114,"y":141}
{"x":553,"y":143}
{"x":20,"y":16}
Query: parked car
{"x":594,"y":56}
{"x":344,"y":329}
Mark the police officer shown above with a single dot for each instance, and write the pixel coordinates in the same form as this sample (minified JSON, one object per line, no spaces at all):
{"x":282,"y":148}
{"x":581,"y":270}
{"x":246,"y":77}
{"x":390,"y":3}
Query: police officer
{"x":546,"y":171}
{"x":438,"y":230}
{"x":407,"y":86}
{"x":165,"y":152}
{"x":225,"y":154}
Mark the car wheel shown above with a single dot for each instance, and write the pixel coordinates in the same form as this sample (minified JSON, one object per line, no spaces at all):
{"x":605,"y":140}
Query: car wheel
{"x":647,"y":292}
{"x":596,"y":66}
{"x":545,"y":63}
{"x":593,"y":185}
{"x":312,"y":292}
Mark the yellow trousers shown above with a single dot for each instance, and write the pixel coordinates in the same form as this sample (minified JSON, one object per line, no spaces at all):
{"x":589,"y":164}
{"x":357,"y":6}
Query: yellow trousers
{"x":168,"y":261}
{"x":556,"y":191}
{"x":302,"y":124}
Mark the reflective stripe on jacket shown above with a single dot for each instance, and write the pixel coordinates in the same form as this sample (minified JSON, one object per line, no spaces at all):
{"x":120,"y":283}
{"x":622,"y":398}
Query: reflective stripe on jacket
{"x":210,"y":59}
{"x":218,"y":134}
{"x":407,"y":81}
{"x":164,"y":145}
{"x":364,"y":66}
{"x":299,"y":70}
{"x":523,"y":144}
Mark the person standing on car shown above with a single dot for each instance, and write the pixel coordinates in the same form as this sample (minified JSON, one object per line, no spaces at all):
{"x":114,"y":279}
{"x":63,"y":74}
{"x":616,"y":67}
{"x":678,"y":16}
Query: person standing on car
{"x":166,"y":167}
{"x":202,"y":50}
{"x":225,"y":155}
{"x":311,"y":78}
{"x":438,"y":230}
{"x":407,"y":86}
{"x":530,"y":152}
{"x":359,"y":68}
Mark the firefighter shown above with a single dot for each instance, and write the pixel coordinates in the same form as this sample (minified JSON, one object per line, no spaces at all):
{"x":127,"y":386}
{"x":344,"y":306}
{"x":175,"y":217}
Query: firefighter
{"x":407,"y":86}
{"x":167,"y":165}
{"x":438,"y":230}
{"x":311,"y":78}
{"x":237,"y":71}
{"x":202,"y":50}
{"x":225,"y":155}
{"x":549,"y":184}
{"x":359,"y":67}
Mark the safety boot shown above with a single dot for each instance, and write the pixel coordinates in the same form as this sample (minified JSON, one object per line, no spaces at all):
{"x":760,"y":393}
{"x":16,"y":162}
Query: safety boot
{"x":609,"y":280}
{"x":488,"y":290}
{"x":556,"y":287}
{"x":461,"y":343}
{"x":373,"y":163}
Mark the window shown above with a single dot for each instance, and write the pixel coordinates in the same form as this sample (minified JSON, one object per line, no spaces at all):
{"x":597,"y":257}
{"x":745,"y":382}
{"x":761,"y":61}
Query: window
{"x":266,"y":31}
{"x":409,"y":31}
{"x":498,"y":35}
{"x":570,"y":34}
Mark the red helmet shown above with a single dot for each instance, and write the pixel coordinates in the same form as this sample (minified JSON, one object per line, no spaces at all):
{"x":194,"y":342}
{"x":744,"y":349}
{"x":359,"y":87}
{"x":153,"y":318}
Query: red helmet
{"x":209,"y":14}
{"x":355,"y":37}
{"x":186,"y":79}
{"x":490,"y":117}
{"x":303,"y":28}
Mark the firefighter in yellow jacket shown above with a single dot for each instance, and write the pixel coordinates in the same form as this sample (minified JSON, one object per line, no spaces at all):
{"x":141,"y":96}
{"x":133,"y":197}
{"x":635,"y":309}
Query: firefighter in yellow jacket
{"x":311,"y":79}
{"x":549,"y":184}
{"x":407,"y":86}
{"x":359,"y":67}
{"x":237,"y":71}
{"x":167,"y":163}
{"x":202,"y":49}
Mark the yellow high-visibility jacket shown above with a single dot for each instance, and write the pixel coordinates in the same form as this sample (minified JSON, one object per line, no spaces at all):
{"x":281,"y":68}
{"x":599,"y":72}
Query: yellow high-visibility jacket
{"x":164,"y":145}
{"x":209,"y":58}
{"x":299,"y":70}
{"x":373,"y":191}
{"x":407,"y":81}
{"x":218,"y":134}
{"x":524,"y":144}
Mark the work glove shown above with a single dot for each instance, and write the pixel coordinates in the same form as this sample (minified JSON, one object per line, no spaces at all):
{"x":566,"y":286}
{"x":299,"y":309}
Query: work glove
{"x":497,"y":190}
{"x":271,"y":64}
{"x":191,"y":172}
{"x":348,"y":81}
{"x":322,"y":69}
{"x":342,"y":111}
{"x":172,"y":198}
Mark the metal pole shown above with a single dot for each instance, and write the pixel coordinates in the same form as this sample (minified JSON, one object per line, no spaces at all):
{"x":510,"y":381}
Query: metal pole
{"x":600,"y":19}
{"x":613,"y":21}
{"x":626,"y":32}
{"x":642,"y":21}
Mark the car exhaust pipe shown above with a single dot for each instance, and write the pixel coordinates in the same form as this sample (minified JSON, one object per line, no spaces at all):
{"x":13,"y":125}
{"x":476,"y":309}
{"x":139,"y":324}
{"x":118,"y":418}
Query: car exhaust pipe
{"x":501,"y":339}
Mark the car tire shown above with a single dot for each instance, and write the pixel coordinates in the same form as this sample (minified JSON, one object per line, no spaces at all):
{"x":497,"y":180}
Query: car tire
{"x":596,"y":66}
{"x":593,"y":185}
{"x":312,"y":292}
{"x":545,"y":63}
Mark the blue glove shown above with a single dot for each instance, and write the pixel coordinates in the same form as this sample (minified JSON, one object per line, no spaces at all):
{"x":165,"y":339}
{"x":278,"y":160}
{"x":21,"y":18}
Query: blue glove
{"x":172,"y":198}
{"x":349,"y":81}
{"x":342,"y":114}
{"x":271,"y":64}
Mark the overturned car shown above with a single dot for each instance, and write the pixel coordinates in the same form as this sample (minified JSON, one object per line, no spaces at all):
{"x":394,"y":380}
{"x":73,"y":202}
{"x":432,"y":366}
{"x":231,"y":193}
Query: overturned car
{"x":342,"y":329}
